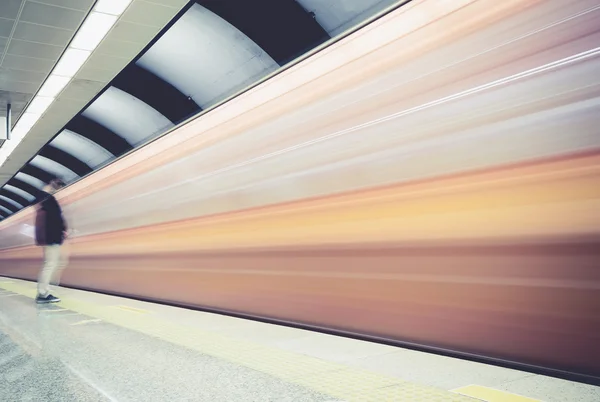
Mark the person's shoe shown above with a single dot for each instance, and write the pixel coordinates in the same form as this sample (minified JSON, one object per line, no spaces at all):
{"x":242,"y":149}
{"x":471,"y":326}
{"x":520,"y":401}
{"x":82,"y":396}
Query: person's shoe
{"x":46,"y":299}
{"x":53,"y":299}
{"x":41,"y":299}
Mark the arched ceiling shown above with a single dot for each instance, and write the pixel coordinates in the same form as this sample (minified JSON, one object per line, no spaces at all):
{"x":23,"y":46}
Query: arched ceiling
{"x":215,"y":49}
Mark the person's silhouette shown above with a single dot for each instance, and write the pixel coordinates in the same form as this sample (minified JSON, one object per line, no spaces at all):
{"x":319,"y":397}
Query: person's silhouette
{"x":50,"y":233}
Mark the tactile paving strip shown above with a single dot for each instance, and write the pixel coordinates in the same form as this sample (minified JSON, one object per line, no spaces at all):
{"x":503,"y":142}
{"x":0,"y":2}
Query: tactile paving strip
{"x":341,"y":382}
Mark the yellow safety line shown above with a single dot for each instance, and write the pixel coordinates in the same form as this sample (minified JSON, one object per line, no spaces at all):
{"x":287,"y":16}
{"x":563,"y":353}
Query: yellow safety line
{"x":491,"y":395}
{"x":133,"y":309}
{"x":333,"y":379}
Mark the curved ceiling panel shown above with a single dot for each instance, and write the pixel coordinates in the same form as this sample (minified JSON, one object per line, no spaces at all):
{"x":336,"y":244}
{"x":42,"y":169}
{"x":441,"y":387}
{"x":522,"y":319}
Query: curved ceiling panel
{"x":5,"y":211}
{"x":22,"y":202}
{"x":37,"y":173}
{"x":53,"y":168}
{"x":127,"y":116}
{"x":206,"y":58}
{"x":11,"y":201}
{"x":28,"y":188}
{"x":81,"y":148}
{"x":156,"y":92}
{"x":19,"y":192}
{"x":65,"y":159}
{"x":336,"y":16}
{"x":281,"y":28}
{"x":99,"y":134}
{"x":8,"y":206}
{"x":33,"y":181}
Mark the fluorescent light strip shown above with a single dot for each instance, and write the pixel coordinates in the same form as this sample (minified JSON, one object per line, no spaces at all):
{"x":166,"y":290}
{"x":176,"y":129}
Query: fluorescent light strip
{"x":39,"y":104}
{"x":70,"y":62}
{"x":53,"y":86}
{"x":93,"y":30}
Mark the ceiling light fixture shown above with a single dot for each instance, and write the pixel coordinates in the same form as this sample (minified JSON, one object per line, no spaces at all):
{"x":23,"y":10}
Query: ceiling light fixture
{"x":39,"y":104}
{"x":53,"y":86}
{"x":71,"y":61}
{"x":93,"y":30}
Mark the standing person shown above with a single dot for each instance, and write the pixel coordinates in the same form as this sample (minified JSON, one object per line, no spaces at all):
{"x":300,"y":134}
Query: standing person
{"x":50,"y":232}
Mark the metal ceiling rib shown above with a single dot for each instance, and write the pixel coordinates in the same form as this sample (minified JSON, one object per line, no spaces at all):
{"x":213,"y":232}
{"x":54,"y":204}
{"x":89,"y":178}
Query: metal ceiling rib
{"x":123,"y":97}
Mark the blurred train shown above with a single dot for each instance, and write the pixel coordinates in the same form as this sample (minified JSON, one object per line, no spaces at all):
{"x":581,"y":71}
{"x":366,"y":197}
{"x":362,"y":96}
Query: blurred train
{"x":432,"y":179}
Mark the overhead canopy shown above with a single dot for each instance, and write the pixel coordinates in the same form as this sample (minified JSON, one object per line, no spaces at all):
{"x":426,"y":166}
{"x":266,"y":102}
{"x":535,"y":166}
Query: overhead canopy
{"x":215,"y":49}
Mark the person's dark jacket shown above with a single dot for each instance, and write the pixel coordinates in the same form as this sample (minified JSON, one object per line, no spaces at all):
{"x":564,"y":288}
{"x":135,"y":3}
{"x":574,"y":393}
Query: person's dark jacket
{"x":50,"y":226}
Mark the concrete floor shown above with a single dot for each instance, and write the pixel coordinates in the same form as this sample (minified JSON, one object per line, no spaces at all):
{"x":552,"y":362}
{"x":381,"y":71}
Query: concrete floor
{"x":93,"y":347}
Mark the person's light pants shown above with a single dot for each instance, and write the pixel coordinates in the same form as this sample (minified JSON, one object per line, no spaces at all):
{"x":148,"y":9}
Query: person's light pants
{"x":55,"y":261}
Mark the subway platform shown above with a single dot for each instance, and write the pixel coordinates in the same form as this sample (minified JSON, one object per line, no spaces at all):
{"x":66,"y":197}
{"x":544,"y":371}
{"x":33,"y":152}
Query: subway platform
{"x":93,"y":347}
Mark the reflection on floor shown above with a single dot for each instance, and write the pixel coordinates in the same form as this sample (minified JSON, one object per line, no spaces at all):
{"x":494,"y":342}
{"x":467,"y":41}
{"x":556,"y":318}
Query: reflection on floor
{"x":92,"y":347}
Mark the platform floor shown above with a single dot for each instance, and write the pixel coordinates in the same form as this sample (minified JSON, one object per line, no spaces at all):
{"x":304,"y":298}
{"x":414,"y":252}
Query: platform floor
{"x":93,"y":347}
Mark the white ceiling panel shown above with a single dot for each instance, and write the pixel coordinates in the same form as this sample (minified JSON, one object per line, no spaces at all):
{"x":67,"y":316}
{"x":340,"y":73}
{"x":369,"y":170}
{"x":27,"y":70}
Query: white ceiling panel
{"x":31,"y":49}
{"x":6,"y":27}
{"x":18,"y":191}
{"x":18,"y":86}
{"x":83,"y":90}
{"x":81,"y":148}
{"x":128,"y":31}
{"x":336,"y":16}
{"x":82,"y":5}
{"x":54,"y":168}
{"x":127,"y":116}
{"x":10,"y":8}
{"x":42,"y":34}
{"x":119,"y":48}
{"x":34,"y":181}
{"x":61,"y":111}
{"x":91,"y":73}
{"x":111,"y":63}
{"x":58,"y":17}
{"x":11,"y":201}
{"x":28,"y":63}
{"x":21,"y":75}
{"x":171,"y":3}
{"x":180,"y":57}
{"x":151,"y":14}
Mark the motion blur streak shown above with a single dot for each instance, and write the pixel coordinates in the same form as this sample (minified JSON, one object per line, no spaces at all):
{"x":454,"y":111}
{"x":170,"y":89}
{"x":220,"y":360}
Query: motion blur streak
{"x":433,"y":180}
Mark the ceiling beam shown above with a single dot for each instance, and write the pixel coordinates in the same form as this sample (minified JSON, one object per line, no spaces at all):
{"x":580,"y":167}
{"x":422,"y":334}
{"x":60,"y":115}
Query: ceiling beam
{"x":67,"y":160}
{"x":156,"y":92}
